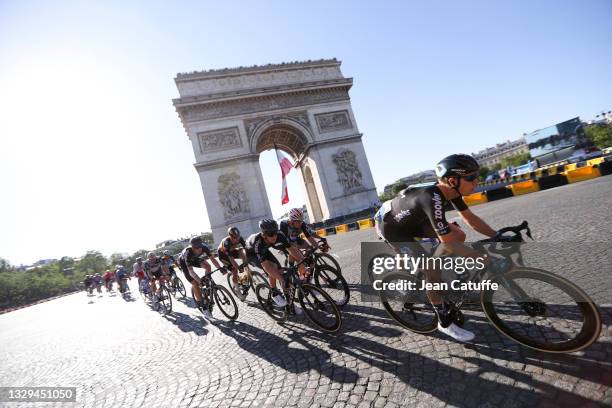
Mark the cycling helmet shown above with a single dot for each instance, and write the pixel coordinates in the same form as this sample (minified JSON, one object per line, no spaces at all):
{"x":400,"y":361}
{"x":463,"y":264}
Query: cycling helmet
{"x":456,"y":165}
{"x":296,"y":214}
{"x":151,"y":254}
{"x":166,"y":253}
{"x":139,"y":259}
{"x":233,"y":232}
{"x":196,"y":242}
{"x":268,"y":225}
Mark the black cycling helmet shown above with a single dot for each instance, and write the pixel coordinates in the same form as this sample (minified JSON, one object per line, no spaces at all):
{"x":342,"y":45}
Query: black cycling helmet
{"x":456,"y":165}
{"x":268,"y":225}
{"x":233,"y":232}
{"x":196,"y":242}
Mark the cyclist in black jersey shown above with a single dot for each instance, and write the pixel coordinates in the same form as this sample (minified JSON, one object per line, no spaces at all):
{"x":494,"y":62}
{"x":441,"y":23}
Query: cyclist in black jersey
{"x":294,"y":226}
{"x":420,"y":212}
{"x":232,"y":247}
{"x":195,"y":255}
{"x":259,"y":255}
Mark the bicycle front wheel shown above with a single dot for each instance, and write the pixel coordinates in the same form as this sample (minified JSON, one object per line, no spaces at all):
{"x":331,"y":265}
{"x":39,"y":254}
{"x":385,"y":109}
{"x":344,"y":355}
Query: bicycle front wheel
{"x":264,"y":297}
{"x":333,"y":283}
{"x":320,"y":308}
{"x":178,"y":283}
{"x":409,"y":307}
{"x":542,"y":311}
{"x":325,"y":259}
{"x":226,"y":302}
{"x":165,"y":301}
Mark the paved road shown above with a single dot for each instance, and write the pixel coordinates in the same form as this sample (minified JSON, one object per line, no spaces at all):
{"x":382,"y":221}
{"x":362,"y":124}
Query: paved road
{"x":120,"y":353}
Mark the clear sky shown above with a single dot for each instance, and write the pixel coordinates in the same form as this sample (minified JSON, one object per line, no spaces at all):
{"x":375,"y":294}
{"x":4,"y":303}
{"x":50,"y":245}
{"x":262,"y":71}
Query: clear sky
{"x":93,"y":155}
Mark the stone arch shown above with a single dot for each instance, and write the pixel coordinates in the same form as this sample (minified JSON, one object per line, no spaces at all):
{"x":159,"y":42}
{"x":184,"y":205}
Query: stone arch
{"x":288,"y":134}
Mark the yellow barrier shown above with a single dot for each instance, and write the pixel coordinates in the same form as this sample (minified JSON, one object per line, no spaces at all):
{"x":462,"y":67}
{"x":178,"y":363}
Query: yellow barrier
{"x":475,"y":199}
{"x":538,"y":173}
{"x":367,"y":223}
{"x":552,"y":171}
{"x":321,"y":232}
{"x":570,"y":167}
{"x":342,"y":228}
{"x":593,"y":162}
{"x":524,"y":187}
{"x":582,"y":173}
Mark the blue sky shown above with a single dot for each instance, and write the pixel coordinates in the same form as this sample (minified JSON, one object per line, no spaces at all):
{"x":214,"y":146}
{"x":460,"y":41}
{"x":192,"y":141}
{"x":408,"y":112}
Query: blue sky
{"x":94,"y":156}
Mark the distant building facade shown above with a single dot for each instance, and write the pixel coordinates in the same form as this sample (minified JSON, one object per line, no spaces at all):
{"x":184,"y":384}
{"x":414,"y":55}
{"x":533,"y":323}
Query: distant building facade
{"x":421,"y":177}
{"x":491,"y":156}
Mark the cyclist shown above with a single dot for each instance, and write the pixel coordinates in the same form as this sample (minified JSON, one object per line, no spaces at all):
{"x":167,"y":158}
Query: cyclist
{"x":138,"y":270}
{"x":231,"y":248}
{"x":259,"y":255}
{"x":88,"y":282}
{"x":419,"y":212}
{"x":97,"y":280}
{"x":294,"y":226}
{"x":168,"y":263}
{"x":153,"y":268}
{"x":195,"y":255}
{"x":108,"y":280}
{"x":120,"y":275}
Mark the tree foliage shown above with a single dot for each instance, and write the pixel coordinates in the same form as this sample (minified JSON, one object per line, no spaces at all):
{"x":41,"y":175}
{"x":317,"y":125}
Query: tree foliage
{"x":600,"y":134}
{"x":19,"y":287}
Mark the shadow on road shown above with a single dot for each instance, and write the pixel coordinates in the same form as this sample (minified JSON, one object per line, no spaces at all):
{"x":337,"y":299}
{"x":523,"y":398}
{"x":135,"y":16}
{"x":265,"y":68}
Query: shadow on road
{"x":294,"y":356}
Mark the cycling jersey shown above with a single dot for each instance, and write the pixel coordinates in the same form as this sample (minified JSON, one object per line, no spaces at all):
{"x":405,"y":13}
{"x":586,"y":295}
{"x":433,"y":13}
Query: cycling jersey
{"x":188,"y":258}
{"x":97,"y":280}
{"x":415,"y":212}
{"x":293,"y":234}
{"x":153,"y":267}
{"x":120,"y":273}
{"x":107,"y":276}
{"x":88,"y":282}
{"x":258,"y":250}
{"x":228,"y":246}
{"x":138,"y":268}
{"x":168,"y":261}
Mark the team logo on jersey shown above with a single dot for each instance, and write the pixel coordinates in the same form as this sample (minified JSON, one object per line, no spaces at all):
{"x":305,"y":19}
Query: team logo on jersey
{"x":401,"y":215}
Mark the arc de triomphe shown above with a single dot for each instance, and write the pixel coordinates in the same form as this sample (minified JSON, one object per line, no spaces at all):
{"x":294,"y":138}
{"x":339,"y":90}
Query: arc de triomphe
{"x":232,"y":115}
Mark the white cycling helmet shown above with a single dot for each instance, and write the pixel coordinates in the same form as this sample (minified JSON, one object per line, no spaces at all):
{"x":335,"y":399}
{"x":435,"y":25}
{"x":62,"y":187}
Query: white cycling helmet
{"x":296,"y":214}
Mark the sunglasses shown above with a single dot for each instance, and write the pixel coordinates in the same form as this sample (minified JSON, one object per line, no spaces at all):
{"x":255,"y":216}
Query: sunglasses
{"x":270,"y":234}
{"x":471,"y":177}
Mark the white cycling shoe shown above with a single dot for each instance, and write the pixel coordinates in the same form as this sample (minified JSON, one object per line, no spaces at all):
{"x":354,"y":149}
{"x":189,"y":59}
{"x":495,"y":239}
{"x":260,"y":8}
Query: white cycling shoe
{"x":456,"y":332}
{"x":279,"y":300}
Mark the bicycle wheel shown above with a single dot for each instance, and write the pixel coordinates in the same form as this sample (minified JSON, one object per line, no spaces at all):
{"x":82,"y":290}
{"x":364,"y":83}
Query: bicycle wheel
{"x":325,"y":259}
{"x":333,"y":283}
{"x":542,"y":311}
{"x":319,"y":307}
{"x":256,"y":279}
{"x":226,"y":302}
{"x":165,"y":301}
{"x":180,"y":288}
{"x":410,"y":308}
{"x":264,"y":297}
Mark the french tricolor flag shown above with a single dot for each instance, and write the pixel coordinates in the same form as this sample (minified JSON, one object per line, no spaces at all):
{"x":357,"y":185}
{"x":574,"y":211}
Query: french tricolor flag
{"x":286,"y":166}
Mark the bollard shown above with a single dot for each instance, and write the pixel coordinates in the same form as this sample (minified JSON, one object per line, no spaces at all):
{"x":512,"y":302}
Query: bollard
{"x":582,"y":173}
{"x":475,"y":198}
{"x":524,"y":187}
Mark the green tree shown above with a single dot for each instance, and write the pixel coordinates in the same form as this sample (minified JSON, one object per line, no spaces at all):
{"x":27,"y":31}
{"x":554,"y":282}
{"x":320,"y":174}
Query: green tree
{"x":600,"y":134}
{"x":514,"y":161}
{"x":482,"y":173}
{"x":5,"y":266}
{"x":93,"y":262}
{"x":397,"y":187}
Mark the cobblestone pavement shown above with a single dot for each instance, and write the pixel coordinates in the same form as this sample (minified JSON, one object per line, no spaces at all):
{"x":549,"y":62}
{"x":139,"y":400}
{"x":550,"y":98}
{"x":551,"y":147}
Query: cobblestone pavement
{"x":122,"y":353}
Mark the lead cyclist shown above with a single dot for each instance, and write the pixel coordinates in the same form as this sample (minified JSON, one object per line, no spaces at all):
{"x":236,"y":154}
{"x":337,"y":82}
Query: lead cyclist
{"x":420,"y":212}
